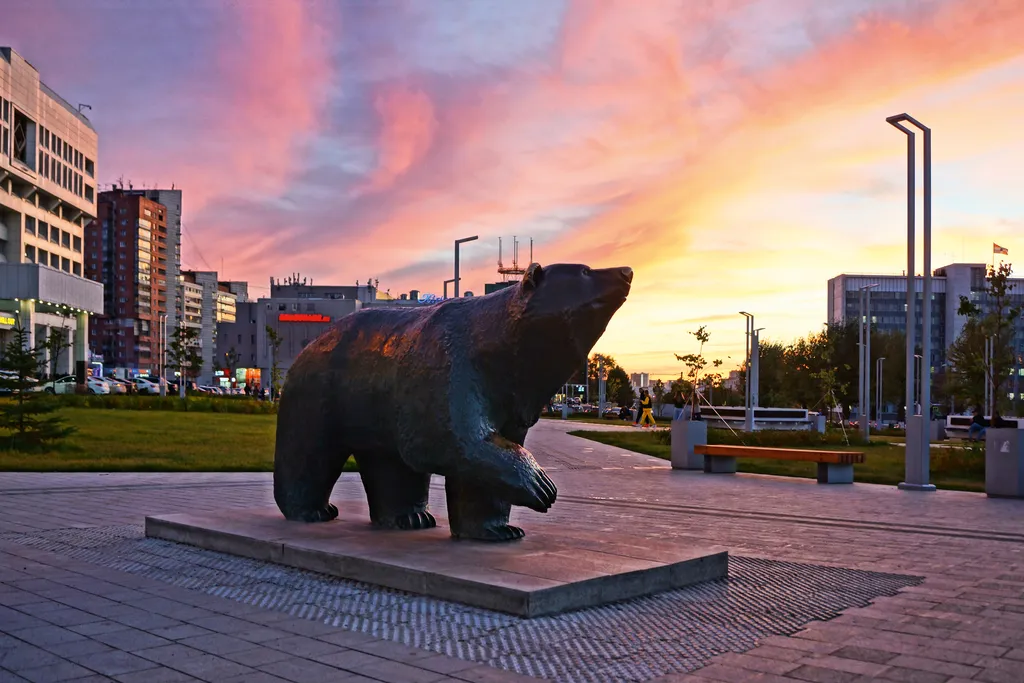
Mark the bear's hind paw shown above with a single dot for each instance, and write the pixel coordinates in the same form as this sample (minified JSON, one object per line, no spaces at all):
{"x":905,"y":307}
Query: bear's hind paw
{"x":493,"y":534}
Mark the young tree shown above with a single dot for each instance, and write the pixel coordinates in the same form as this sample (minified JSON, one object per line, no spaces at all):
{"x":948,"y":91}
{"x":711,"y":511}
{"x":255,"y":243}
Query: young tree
{"x":658,"y":395}
{"x":695,"y":363}
{"x":51,"y":349}
{"x":618,"y":388}
{"x":993,"y":319}
{"x":29,"y":415}
{"x":184,"y":353}
{"x":231,"y":359}
{"x":274,"y":341}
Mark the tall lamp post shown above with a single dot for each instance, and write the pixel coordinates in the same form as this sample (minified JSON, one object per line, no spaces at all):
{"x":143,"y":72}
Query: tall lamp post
{"x":879,"y":363}
{"x":864,"y":332}
{"x":748,"y":412}
{"x":918,"y":427}
{"x":457,"y":244}
{"x":446,"y":286}
{"x":918,"y":404}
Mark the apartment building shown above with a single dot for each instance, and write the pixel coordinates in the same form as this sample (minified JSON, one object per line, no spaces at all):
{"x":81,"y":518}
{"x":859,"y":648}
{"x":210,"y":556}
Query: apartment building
{"x":126,"y":250}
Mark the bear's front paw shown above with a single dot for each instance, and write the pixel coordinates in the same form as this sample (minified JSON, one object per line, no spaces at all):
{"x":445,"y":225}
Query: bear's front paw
{"x":324,"y":514}
{"x":496,"y":533}
{"x":536,"y":491}
{"x":415,"y":520}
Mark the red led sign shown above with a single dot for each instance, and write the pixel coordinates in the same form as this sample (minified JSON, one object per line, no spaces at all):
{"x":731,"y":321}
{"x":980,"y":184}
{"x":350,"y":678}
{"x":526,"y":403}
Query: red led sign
{"x":304,"y":318}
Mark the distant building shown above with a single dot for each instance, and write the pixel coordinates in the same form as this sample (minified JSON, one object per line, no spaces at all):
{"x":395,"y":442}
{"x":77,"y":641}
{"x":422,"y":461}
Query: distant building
{"x":889,"y":298}
{"x":171,"y":200}
{"x":126,"y":250}
{"x":208,"y":303}
{"x":640,"y":380}
{"x":47,"y":196}
{"x":298,"y":313}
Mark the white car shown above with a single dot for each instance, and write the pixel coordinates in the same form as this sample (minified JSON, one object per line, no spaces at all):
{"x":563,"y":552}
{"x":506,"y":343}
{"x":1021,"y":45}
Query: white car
{"x":66,"y":385}
{"x":145,"y":385}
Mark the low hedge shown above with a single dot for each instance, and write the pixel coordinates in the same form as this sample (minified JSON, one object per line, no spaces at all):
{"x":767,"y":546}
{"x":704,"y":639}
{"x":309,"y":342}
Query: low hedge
{"x":776,"y":438}
{"x":192,"y":403}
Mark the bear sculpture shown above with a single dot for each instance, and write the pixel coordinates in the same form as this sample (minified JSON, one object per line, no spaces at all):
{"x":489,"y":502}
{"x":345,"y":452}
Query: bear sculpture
{"x":450,"y":389}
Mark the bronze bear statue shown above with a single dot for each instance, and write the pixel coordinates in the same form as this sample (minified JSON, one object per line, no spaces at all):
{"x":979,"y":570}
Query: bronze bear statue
{"x":448,"y":389}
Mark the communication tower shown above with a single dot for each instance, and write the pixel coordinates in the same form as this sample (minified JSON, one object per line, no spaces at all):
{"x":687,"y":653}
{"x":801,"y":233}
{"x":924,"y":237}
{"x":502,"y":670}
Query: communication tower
{"x":515,"y":271}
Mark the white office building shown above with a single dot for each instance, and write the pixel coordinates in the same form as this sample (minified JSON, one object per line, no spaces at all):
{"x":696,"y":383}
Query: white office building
{"x":47,"y":196}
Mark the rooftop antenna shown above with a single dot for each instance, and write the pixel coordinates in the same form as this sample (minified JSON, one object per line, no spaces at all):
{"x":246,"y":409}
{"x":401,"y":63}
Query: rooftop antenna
{"x":83,"y":106}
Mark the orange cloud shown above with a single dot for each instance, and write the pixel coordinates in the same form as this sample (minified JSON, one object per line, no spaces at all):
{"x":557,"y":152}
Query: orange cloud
{"x":407,"y":129}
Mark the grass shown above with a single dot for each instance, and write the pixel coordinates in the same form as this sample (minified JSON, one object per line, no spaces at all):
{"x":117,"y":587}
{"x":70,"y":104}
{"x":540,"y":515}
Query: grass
{"x":594,"y":419}
{"x":951,"y":468}
{"x":156,"y":441}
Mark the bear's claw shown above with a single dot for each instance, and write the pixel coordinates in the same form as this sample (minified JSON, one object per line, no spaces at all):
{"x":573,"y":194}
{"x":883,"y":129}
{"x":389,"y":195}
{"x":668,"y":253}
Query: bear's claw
{"x":493,"y":534}
{"x":324,"y":514}
{"x":538,"y":492}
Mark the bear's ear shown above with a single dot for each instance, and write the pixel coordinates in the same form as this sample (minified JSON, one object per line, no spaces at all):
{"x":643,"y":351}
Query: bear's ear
{"x":534,"y":274}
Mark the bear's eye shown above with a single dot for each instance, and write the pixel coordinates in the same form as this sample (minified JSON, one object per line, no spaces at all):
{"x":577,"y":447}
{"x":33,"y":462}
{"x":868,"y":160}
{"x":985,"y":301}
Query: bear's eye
{"x":586,"y":271}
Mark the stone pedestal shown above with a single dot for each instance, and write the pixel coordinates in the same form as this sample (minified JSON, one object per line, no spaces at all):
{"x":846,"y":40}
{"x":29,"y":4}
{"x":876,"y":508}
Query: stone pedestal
{"x":685,"y":435}
{"x":1004,"y":463}
{"x":550,"y":571}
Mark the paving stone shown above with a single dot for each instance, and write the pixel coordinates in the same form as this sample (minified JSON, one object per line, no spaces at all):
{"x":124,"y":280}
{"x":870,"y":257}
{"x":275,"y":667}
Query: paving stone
{"x":130,"y":639}
{"x":160,"y":674}
{"x":61,"y":671}
{"x":864,"y":654}
{"x":179,"y":632}
{"x":852,"y":666}
{"x":353,"y":660}
{"x":935,"y":666}
{"x":258,"y":656}
{"x":898,"y":673}
{"x":68,"y":616}
{"x":77,"y":648}
{"x":261,"y":634}
{"x":210,"y":667}
{"x":113,"y":663}
{"x":25,"y":656}
{"x":216,"y":643}
{"x":46,"y":635}
{"x":260,"y":677}
{"x":168,"y":655}
{"x":751,"y":662}
{"x":302,"y":670}
{"x":97,"y":627}
{"x":817,"y":674}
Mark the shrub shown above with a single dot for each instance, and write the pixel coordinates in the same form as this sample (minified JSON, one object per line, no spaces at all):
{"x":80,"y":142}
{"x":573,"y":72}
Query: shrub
{"x":193,"y":403}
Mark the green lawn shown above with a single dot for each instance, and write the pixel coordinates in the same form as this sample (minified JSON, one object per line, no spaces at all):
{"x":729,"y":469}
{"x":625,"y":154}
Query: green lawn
{"x":594,"y":419}
{"x":157,"y":441}
{"x":951,"y":468}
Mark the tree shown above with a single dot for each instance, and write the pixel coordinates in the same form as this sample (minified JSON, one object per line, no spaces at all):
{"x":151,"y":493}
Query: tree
{"x":695,"y":362}
{"x":274,"y":342}
{"x":184,"y":353}
{"x":658,"y":395}
{"x":619,"y":390}
{"x":51,"y":348}
{"x":29,"y":417}
{"x":993,"y":318}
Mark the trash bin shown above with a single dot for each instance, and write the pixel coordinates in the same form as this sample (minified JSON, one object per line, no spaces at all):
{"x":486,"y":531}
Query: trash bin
{"x":1004,"y":463}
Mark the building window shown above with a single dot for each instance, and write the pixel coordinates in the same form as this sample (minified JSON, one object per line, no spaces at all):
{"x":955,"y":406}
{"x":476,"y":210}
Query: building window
{"x":30,"y":225}
{"x":30,"y":253}
{"x":4,"y":141}
{"x":44,"y":257}
{"x":89,"y":194}
{"x":54,"y":261}
{"x":54,"y":234}
{"x":6,"y":108}
{"x":77,"y":241}
{"x":24,"y":130}
{"x":65,"y":239}
{"x":65,"y":265}
{"x":254,"y":339}
{"x":90,"y":168}
{"x":44,"y":231}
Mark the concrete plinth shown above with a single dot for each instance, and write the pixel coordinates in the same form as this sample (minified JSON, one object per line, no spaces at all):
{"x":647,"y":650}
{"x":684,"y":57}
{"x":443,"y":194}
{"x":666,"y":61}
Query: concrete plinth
{"x":834,"y":474}
{"x":917,"y":461}
{"x":548,"y":572}
{"x":718,"y":464}
{"x":685,"y":435}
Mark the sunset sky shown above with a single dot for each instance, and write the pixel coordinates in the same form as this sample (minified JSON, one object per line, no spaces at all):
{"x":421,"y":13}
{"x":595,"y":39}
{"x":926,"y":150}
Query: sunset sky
{"x":733,"y":152}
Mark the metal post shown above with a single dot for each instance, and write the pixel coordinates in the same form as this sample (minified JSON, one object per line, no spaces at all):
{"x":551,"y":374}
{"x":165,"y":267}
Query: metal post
{"x":918,"y":428}
{"x":860,"y":359}
{"x":457,"y":243}
{"x":879,"y":364}
{"x":600,"y":388}
{"x":866,"y":420}
{"x":748,"y":411}
{"x":446,"y":287}
{"x":755,"y":373}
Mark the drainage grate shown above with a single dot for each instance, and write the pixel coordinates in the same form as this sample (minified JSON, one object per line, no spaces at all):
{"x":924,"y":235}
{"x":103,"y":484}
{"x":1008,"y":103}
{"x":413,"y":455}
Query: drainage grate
{"x":635,"y":640}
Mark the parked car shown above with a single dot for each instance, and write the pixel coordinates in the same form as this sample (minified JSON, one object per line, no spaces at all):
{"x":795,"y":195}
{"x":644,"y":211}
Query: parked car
{"x":117,"y":386}
{"x":66,"y":385}
{"x":147,"y":385}
{"x":13,"y":376}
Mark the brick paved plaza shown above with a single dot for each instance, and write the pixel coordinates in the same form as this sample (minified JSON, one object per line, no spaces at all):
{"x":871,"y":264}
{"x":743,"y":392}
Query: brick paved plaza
{"x":947,"y":569}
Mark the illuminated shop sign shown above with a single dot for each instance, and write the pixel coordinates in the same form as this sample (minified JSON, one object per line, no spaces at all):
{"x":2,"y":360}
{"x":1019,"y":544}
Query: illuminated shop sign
{"x":7,"y":321}
{"x":303,"y":318}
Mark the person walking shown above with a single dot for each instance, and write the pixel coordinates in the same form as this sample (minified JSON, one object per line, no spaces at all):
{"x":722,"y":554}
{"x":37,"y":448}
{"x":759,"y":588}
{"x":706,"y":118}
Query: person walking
{"x":645,"y":410}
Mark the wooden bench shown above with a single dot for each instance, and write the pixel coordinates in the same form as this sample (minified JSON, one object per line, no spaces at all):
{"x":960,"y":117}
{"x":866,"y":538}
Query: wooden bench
{"x":834,"y":467}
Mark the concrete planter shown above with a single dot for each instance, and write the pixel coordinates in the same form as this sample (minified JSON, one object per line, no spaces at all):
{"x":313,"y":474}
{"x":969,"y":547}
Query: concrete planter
{"x":1004,"y":463}
{"x":685,"y":435}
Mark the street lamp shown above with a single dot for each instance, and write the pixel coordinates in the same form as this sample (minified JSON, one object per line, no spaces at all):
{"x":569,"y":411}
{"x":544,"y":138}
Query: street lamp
{"x":918,"y":430}
{"x":446,"y":286}
{"x":748,"y":412}
{"x":864,"y":362}
{"x":457,"y":243}
{"x":918,"y":406}
{"x":878,"y":392}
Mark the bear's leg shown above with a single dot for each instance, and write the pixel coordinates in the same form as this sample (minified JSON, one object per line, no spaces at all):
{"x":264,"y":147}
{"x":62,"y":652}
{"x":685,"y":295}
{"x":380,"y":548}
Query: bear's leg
{"x":473,"y":513}
{"x":307,"y":461}
{"x":397,"y":494}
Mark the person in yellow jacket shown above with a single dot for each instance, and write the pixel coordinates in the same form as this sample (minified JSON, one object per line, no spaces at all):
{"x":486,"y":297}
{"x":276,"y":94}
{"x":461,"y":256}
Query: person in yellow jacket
{"x":645,"y":407}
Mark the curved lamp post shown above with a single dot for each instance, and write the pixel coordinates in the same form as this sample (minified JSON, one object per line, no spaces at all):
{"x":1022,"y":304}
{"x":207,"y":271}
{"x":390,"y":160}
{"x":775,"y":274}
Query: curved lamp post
{"x":918,"y":427}
{"x":457,"y":244}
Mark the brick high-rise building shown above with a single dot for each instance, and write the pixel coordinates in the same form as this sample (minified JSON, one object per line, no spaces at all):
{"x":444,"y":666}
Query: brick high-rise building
{"x":126,"y":250}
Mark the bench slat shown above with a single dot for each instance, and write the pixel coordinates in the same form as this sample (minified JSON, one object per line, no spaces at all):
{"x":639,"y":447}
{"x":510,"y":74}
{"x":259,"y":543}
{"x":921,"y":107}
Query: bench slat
{"x":830,"y":457}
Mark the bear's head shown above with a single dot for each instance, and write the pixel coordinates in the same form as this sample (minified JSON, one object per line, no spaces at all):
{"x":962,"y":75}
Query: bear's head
{"x":564,"y":309}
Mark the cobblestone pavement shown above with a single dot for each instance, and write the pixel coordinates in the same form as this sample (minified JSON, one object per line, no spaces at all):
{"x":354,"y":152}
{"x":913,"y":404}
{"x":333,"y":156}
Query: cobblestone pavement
{"x":65,"y":618}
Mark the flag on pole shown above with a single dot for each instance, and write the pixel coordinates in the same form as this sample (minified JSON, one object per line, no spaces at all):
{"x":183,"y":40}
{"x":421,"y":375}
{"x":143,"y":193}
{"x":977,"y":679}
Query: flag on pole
{"x":996,"y":249}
